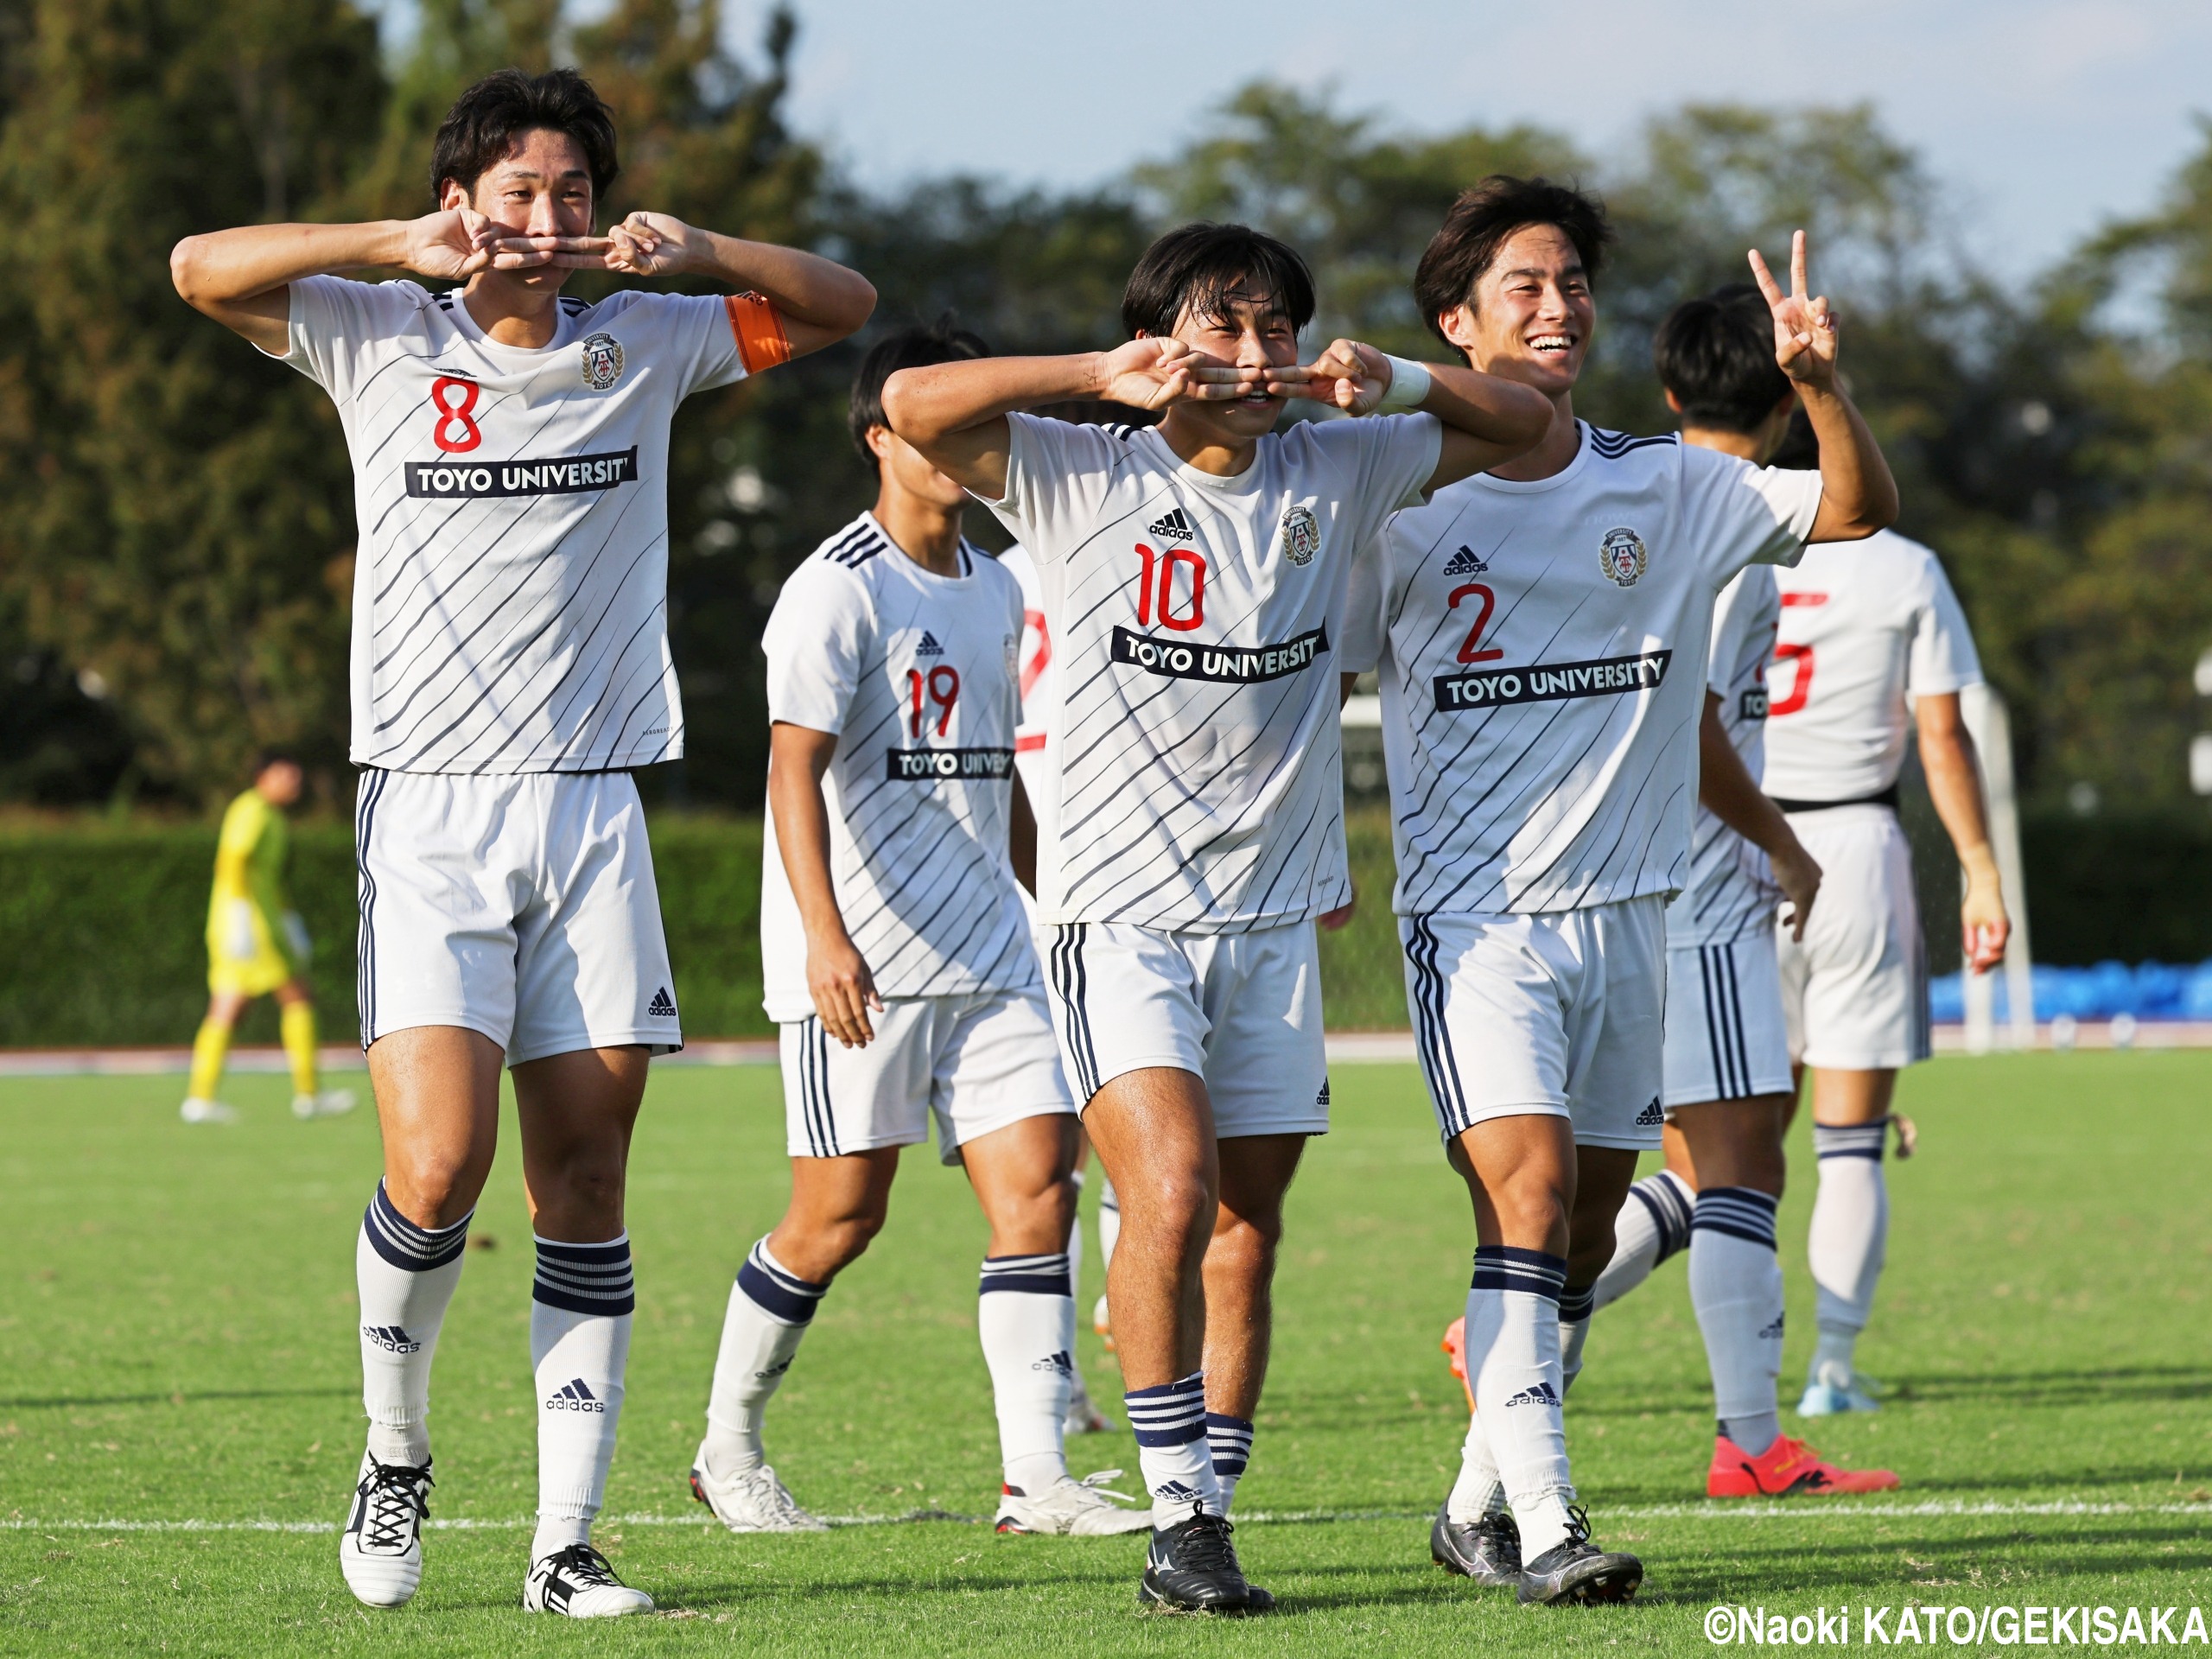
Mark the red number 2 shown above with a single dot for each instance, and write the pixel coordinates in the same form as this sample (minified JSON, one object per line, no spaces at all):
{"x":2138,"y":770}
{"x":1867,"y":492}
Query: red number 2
{"x":455,"y":411}
{"x":1467,"y":652}
{"x":944,"y":685}
{"x":1164,"y":570}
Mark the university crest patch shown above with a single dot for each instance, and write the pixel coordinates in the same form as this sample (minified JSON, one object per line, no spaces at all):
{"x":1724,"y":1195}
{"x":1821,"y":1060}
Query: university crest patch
{"x":1301,"y":535}
{"x":1621,"y":556}
{"x":602,"y":361}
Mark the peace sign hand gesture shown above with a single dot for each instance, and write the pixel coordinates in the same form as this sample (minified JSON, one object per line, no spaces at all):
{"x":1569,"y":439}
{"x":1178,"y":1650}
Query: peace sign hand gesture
{"x":1804,"y":326}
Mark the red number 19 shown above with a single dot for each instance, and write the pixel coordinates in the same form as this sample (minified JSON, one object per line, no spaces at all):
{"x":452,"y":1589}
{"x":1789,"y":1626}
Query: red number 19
{"x":943,"y":687}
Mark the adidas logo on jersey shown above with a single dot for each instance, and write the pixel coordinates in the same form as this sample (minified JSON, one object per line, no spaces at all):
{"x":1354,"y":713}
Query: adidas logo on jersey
{"x":929,"y":647}
{"x":1465,"y":562}
{"x":1650,"y":1116}
{"x":1175,"y":527}
{"x":663,"y":1006}
{"x":574,"y":1397}
{"x":389,"y":1337}
{"x":1542,"y":1394}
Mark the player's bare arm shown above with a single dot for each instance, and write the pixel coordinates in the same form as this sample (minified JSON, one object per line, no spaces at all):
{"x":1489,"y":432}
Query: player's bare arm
{"x":1488,"y":421}
{"x":1858,"y":494}
{"x":1947,"y":756}
{"x":1725,"y":788}
{"x":837,"y":975}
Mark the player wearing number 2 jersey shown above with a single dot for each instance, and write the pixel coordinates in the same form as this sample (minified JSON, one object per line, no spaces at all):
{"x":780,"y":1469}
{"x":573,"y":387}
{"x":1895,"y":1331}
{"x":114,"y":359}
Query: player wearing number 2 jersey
{"x":1190,"y":812}
{"x":510,"y":661}
{"x":1540,"y":634}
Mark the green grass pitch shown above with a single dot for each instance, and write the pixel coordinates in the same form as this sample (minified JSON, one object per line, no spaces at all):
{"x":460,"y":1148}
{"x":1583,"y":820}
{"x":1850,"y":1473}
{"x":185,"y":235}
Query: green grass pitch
{"x":175,"y":1346}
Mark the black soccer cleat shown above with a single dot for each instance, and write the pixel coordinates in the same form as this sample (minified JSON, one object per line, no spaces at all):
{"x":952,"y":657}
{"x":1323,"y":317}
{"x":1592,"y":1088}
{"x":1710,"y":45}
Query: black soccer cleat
{"x":1579,"y":1572}
{"x":1488,"y":1551}
{"x":1192,"y":1567}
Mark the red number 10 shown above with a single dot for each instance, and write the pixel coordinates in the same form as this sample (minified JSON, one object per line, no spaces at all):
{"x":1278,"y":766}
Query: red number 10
{"x":1467,"y":652}
{"x":944,"y":685}
{"x":1165,"y":571}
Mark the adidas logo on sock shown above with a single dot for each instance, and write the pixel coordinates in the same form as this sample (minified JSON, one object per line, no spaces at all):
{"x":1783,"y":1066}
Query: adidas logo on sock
{"x":929,"y":647}
{"x":574,"y":1397}
{"x":1175,"y":527}
{"x":1650,"y":1116}
{"x":389,"y":1337}
{"x":1466,"y":563}
{"x":1061,"y":1362}
{"x":663,"y":1006}
{"x":1174,"y":1491}
{"x":1542,"y":1394}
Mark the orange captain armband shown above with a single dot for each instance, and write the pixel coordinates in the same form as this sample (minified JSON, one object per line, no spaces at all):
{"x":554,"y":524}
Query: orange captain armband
{"x":761,"y":342}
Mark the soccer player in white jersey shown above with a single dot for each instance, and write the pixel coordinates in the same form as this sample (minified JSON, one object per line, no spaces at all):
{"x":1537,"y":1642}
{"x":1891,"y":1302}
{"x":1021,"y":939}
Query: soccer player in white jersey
{"x":1873,"y":647}
{"x":1191,"y":815}
{"x":1726,"y":1087}
{"x":510,"y":664}
{"x":899,"y":970}
{"x":1540,"y":637}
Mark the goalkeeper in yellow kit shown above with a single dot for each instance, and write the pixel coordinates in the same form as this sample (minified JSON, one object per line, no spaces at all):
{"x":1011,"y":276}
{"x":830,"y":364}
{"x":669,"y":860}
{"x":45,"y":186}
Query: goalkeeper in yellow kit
{"x":256,"y":946}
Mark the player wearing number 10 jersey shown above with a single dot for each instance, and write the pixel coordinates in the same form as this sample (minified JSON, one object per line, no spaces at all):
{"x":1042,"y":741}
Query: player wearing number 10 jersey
{"x":1540,"y":634}
{"x":1190,"y":824}
{"x":510,"y":661}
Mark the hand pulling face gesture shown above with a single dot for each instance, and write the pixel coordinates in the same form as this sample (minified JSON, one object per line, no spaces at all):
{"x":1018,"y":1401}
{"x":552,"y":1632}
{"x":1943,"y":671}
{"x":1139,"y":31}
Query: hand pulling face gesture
{"x":1352,"y":376}
{"x":648,"y":245}
{"x":1158,"y":370}
{"x":453,"y":244}
{"x":1804,"y":326}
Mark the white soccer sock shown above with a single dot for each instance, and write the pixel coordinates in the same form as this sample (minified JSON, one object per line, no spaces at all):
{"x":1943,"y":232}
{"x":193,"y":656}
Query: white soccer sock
{"x":1849,"y":1236}
{"x":1478,"y":1491}
{"x":1653,"y":1224}
{"x":770,"y":1307}
{"x":1170,"y":1423}
{"x":1736,"y":1287}
{"x":1513,"y":1356}
{"x":406,"y":1276}
{"x":1026,"y":1314}
{"x":1229,"y":1441}
{"x":1575,"y":1308}
{"x":581,"y":1307}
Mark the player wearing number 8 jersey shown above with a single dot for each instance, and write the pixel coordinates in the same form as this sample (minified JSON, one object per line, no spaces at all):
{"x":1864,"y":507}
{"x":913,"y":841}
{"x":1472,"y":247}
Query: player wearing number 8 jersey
{"x":510,"y":661}
{"x":1191,"y":814}
{"x":1540,"y":634}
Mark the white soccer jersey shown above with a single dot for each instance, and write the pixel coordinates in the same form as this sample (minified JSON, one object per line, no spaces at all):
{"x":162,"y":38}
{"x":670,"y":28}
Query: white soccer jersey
{"x":1865,"y":628}
{"x":1542,"y":742}
{"x":1039,"y":681}
{"x":1192,"y":766}
{"x":915,"y":673}
{"x":511,"y":583}
{"x":1731,"y":892}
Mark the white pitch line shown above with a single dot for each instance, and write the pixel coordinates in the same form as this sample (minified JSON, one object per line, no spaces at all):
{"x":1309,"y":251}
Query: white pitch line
{"x":1801,"y":1509}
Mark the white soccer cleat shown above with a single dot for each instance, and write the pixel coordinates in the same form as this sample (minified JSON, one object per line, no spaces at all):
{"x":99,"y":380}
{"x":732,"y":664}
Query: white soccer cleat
{"x":381,"y":1552}
{"x":196,"y":1110}
{"x":577,"y":1583}
{"x":1084,"y":1416}
{"x":1074,"y":1509}
{"x":1829,"y":1393}
{"x":754,"y":1502}
{"x":329,"y":1104}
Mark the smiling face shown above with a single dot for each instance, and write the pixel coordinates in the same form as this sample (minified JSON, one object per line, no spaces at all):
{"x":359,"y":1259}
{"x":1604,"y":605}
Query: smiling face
{"x":1251,"y":331}
{"x":542,"y":187}
{"x":1531,"y":316}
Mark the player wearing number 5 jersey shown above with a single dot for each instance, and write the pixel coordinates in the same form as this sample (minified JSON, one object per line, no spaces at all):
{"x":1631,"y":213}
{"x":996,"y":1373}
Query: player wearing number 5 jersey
{"x":1190,"y":818}
{"x":1540,"y":634}
{"x":510,"y":661}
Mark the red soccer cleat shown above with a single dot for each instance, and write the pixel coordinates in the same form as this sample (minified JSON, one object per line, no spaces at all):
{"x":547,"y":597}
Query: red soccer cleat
{"x":1455,"y":1345}
{"x":1786,"y":1469}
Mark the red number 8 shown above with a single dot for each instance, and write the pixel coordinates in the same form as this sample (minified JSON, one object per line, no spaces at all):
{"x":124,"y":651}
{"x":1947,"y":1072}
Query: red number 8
{"x":454,"y":413}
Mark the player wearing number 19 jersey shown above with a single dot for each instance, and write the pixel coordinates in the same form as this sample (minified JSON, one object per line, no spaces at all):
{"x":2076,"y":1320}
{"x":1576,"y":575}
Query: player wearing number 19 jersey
{"x":1190,"y":819}
{"x":509,"y":663}
{"x":1540,"y":634}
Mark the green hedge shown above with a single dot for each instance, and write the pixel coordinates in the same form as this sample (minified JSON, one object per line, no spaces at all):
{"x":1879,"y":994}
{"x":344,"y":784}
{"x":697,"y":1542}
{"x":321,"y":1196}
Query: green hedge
{"x":106,"y":922}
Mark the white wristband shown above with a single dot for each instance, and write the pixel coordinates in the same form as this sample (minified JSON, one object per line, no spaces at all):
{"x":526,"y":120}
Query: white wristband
{"x":1408,"y":386}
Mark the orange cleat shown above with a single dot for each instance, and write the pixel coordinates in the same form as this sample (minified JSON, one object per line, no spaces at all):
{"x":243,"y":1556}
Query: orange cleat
{"x":1786,"y":1469}
{"x":1455,"y":1345}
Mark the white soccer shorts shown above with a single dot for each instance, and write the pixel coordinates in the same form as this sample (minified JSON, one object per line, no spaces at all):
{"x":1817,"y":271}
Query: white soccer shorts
{"x":975,"y":1063}
{"x":1855,"y":991}
{"x":520,"y":906}
{"x":1558,"y":1013}
{"x":1240,"y":1010}
{"x":1726,"y":1039}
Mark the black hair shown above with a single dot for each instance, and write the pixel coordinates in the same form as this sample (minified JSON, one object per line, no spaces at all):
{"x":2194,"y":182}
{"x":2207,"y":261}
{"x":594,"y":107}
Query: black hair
{"x":1484,"y":219}
{"x":1199,"y":269}
{"x":1716,"y":354}
{"x":486,"y":120}
{"x":943,"y":341}
{"x":264,"y":759}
